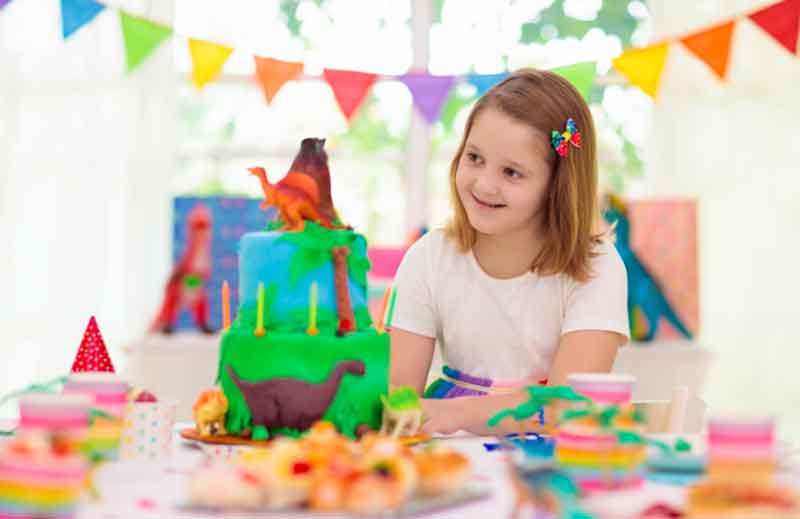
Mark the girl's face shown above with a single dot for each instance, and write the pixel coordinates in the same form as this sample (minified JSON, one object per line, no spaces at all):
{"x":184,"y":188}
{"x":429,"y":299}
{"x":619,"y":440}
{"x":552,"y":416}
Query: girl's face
{"x":503,"y":174}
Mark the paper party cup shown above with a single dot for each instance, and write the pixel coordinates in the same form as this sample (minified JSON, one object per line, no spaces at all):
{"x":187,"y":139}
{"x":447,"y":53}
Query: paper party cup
{"x":147,"y":430}
{"x":108,"y":392}
{"x":62,"y":417}
{"x":38,"y":479}
{"x":603,"y":388}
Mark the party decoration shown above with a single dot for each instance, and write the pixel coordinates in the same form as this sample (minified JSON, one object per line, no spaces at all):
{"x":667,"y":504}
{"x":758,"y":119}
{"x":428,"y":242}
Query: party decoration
{"x":77,"y":13}
{"x":207,"y":59}
{"x":272,"y":74}
{"x":92,"y":353}
{"x":483,"y":82}
{"x":781,"y":21}
{"x":428,"y":92}
{"x":581,"y":75}
{"x":643,"y":67}
{"x":712,"y":46}
{"x":141,"y":37}
{"x":349,"y":88}
{"x":187,"y":284}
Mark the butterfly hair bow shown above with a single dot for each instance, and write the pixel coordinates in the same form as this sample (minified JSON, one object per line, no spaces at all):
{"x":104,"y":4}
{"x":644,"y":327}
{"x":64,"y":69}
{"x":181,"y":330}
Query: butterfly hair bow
{"x":570,"y":135}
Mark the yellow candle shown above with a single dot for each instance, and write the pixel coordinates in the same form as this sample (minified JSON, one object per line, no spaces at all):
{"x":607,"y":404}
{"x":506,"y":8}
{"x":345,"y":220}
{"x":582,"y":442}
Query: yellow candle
{"x":260,"y":311}
{"x":384,"y":305}
{"x":312,"y":311}
{"x":226,"y":307}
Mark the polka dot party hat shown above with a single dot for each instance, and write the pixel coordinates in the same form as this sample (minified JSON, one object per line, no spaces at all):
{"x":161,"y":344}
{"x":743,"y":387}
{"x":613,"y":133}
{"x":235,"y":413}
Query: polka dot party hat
{"x":92,"y":354}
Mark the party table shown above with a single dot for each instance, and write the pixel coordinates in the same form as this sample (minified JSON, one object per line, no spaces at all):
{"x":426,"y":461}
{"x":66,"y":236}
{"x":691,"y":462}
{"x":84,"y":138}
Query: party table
{"x":156,"y":489}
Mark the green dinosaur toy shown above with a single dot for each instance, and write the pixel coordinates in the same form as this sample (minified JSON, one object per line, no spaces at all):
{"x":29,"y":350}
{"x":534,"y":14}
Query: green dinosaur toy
{"x":402,"y":412}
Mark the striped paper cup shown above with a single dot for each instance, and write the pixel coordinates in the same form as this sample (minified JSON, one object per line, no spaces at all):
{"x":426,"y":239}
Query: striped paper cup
{"x":603,"y":388}
{"x":60,"y":416}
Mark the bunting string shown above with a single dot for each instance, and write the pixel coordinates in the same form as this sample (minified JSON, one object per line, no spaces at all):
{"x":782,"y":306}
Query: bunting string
{"x":641,"y":67}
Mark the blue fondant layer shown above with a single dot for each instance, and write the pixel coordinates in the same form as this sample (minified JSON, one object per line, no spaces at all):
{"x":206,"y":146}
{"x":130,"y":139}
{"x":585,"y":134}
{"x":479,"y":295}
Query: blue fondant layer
{"x":265,"y":258}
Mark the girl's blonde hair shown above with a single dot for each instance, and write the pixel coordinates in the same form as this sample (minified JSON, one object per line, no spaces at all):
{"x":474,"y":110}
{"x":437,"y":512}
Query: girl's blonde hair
{"x":570,"y":218}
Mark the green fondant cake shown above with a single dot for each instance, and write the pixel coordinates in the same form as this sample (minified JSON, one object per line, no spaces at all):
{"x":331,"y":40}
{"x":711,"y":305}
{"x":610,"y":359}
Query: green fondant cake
{"x":280,"y":372}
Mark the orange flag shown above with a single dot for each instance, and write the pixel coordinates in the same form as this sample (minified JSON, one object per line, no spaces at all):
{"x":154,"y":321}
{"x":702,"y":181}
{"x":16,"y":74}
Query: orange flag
{"x":781,"y":21}
{"x":643,"y":67}
{"x":349,"y":88}
{"x":272,"y":74}
{"x":712,"y":46}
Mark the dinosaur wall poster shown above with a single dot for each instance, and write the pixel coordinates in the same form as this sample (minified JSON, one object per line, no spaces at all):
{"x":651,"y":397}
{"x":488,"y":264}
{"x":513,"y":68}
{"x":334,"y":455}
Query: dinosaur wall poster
{"x":661,"y":235}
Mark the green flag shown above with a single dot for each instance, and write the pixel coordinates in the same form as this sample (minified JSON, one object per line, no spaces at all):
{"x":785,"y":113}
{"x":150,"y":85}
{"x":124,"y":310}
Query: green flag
{"x":581,"y":75}
{"x":141,"y":38}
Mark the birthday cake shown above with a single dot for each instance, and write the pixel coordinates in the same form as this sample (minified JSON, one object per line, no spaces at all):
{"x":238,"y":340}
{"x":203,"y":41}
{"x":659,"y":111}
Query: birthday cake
{"x":302,"y":347}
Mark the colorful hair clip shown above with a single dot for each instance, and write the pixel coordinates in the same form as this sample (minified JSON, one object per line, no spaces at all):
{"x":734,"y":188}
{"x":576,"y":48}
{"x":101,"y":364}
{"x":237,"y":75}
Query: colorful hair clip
{"x":560,"y":140}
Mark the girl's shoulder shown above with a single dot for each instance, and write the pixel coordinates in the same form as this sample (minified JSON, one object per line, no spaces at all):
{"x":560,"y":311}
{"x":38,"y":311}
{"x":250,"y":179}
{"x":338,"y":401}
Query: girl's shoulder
{"x":604,"y":263}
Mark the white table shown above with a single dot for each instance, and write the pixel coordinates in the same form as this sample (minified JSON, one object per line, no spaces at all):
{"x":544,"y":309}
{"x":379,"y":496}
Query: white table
{"x":178,"y":367}
{"x":153,"y":489}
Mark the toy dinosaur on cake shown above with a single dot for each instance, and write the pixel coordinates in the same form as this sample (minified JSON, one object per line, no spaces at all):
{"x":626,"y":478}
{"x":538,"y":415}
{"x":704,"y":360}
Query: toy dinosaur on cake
{"x":305,"y":192}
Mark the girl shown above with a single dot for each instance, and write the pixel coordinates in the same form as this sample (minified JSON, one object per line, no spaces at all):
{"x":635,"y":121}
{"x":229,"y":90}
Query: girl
{"x":522,"y":285}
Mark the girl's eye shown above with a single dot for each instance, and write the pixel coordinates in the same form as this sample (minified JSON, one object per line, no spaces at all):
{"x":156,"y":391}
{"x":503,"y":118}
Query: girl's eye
{"x":473,"y":157}
{"x":512,"y":173}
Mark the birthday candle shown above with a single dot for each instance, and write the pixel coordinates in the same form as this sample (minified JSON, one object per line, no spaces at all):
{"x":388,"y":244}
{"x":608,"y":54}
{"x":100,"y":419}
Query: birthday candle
{"x":312,"y":311}
{"x":386,"y":295}
{"x":226,"y":307}
{"x":260,"y":311}
{"x":391,"y":309}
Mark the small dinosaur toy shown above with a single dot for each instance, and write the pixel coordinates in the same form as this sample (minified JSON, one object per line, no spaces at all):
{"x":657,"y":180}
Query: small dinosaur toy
{"x":402,"y":412}
{"x":305,"y":192}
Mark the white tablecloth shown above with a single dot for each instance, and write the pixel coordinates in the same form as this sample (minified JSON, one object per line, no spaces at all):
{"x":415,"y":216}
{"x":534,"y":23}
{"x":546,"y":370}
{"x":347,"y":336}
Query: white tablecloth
{"x":156,"y":489}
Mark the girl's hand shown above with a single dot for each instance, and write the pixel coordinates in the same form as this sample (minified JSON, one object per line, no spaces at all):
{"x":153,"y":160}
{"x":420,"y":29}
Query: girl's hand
{"x":443,"y":416}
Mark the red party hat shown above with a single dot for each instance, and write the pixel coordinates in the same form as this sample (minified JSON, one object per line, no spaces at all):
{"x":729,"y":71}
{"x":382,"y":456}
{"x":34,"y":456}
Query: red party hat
{"x":92,"y":354}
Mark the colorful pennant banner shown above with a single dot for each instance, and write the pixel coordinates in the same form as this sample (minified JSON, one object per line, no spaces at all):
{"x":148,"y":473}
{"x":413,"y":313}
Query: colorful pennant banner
{"x":141,"y":37}
{"x":349,"y":88}
{"x":77,"y":13}
{"x":642,"y":67}
{"x":428,"y":92}
{"x":272,"y":74}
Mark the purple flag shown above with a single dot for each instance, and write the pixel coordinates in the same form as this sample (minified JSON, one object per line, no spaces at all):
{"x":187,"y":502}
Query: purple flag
{"x":428,"y":92}
{"x":3,"y":3}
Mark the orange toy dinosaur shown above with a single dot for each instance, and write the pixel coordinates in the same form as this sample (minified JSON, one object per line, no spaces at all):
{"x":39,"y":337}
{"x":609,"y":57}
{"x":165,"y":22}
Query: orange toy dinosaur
{"x":305,"y":192}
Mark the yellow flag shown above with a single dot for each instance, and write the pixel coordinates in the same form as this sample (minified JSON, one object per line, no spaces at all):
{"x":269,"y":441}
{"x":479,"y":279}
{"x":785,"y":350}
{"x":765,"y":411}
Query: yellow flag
{"x":643,"y":67}
{"x":208,"y":59}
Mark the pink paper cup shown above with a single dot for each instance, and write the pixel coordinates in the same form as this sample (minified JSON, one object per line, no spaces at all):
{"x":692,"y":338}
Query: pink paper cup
{"x":65,"y":416}
{"x":603,"y":388}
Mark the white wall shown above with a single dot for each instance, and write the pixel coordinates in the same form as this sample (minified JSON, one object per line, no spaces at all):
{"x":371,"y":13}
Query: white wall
{"x":734,"y":146}
{"x":85,"y":159}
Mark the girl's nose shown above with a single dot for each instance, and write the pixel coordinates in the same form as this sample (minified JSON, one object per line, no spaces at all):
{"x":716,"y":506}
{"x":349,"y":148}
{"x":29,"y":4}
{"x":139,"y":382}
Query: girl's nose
{"x":486,"y":182}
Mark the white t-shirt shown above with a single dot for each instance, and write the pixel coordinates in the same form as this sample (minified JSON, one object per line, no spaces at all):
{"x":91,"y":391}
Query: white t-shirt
{"x":507,"y":330}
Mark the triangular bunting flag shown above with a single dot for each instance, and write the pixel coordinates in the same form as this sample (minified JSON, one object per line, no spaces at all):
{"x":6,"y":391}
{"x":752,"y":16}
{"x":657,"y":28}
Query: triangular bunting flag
{"x":581,"y":75}
{"x":349,"y":88}
{"x":428,"y":92}
{"x":92,"y":354}
{"x":483,"y":82}
{"x":208,"y":59}
{"x":77,"y":13}
{"x":141,"y":37}
{"x":272,"y":74}
{"x":643,"y":67}
{"x":781,"y":21}
{"x":712,"y":46}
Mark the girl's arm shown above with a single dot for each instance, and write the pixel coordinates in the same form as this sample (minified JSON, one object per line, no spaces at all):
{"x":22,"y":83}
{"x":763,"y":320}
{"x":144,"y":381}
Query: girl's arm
{"x":411,"y":356}
{"x":578,"y":352}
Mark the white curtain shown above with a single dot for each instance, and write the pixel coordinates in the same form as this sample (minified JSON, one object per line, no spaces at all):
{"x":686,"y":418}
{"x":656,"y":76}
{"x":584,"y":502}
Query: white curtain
{"x":86,"y":153}
{"x":734,"y":146}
